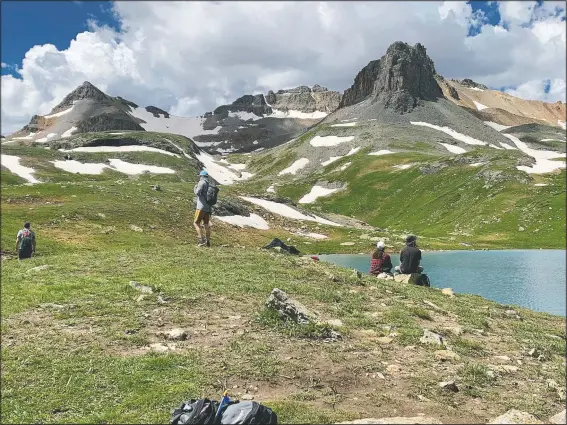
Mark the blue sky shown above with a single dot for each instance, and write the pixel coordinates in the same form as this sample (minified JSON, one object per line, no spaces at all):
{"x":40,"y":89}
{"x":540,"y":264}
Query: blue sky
{"x":28,"y":23}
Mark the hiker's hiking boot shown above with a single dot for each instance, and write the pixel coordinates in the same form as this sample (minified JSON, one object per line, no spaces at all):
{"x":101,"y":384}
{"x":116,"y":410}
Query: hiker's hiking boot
{"x":202,"y":243}
{"x":208,"y":243}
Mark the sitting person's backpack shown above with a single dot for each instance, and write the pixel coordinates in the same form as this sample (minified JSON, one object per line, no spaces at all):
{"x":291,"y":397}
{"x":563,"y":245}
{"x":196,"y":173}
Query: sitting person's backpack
{"x":419,"y":279}
{"x":200,"y":411}
{"x":212,"y":194}
{"x":248,"y":413}
{"x":425,"y":280}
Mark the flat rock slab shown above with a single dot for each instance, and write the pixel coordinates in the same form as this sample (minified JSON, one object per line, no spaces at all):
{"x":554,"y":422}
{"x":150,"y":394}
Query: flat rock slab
{"x":558,"y":419}
{"x":402,"y":278}
{"x":396,"y":420}
{"x":141,"y":288}
{"x":514,"y":416}
{"x":39,"y":268}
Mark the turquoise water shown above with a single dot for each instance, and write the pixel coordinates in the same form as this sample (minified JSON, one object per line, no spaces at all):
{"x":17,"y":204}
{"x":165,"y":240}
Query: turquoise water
{"x":534,"y":279}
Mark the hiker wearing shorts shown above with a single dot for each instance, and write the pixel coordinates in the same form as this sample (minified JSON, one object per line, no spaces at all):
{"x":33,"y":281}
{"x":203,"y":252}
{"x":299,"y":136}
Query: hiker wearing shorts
{"x":410,"y":257}
{"x":381,"y":262}
{"x":203,"y":211}
{"x":25,"y":242}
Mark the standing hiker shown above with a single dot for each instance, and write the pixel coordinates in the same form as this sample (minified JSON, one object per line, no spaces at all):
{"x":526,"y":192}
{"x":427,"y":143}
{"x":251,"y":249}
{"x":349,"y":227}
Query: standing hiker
{"x":25,"y":242}
{"x":381,"y":262}
{"x":203,"y":211}
{"x":410,"y":257}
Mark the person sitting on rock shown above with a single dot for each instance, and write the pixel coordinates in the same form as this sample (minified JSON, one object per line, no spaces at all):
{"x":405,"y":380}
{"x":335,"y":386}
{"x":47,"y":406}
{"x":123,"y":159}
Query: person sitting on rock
{"x":25,"y":242}
{"x":410,"y":257}
{"x":380,"y":262}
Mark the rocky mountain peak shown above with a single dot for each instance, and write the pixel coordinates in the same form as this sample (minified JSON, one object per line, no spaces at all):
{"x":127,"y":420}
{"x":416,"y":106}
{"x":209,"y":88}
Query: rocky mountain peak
{"x":467,"y":82}
{"x":402,"y":78}
{"x":84,"y":91}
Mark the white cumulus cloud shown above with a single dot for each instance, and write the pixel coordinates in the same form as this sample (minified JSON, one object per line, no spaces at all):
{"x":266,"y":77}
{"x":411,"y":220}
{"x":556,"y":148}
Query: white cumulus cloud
{"x":189,"y":57}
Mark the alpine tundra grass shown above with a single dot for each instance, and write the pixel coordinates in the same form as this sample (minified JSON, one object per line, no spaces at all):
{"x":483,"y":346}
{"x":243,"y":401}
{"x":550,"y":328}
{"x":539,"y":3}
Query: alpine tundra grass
{"x":79,"y":342}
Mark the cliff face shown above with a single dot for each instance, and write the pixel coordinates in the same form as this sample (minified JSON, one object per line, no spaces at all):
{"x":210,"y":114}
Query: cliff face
{"x":305,"y":99}
{"x":400,"y":79}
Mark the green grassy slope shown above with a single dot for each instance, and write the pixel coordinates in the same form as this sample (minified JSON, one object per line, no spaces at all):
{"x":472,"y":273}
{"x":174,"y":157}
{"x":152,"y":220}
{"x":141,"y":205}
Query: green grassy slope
{"x":75,"y":335}
{"x":487,"y":206}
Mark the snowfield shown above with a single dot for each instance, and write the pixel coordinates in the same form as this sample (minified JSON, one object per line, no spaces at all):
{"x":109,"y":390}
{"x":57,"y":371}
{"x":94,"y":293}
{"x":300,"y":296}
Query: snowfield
{"x":58,"y":114}
{"x":254,"y":221}
{"x":316,"y":192}
{"x":496,"y":126}
{"x":12,"y":163}
{"x":544,"y":163}
{"x":402,"y":166}
{"x":184,"y":126}
{"x":317,"y":115}
{"x":562,"y":124}
{"x":73,"y":166}
{"x":287,"y":211}
{"x":69,"y":132}
{"x":348,"y":124}
{"x":508,"y":147}
{"x":345,"y":166}
{"x":46,"y":138}
{"x":244,"y":116}
{"x":295,"y":167}
{"x":129,"y":148}
{"x":455,"y":135}
{"x":218,"y":172}
{"x":320,"y":141}
{"x":479,"y":106}
{"x":381,"y":152}
{"x":336,"y":158}
{"x":453,"y":148}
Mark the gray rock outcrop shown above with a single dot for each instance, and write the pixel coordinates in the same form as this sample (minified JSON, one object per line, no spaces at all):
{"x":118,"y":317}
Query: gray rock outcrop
{"x":399,"y":80}
{"x":514,"y":416}
{"x":289,"y":309}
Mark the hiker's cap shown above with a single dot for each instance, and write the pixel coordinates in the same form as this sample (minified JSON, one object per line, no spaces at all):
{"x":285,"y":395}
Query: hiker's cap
{"x":411,"y":238}
{"x":203,"y":173}
{"x":380,"y":245}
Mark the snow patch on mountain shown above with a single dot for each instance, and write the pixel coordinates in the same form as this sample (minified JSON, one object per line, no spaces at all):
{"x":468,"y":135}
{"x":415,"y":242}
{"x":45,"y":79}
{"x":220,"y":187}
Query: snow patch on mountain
{"x":12,"y":163}
{"x":295,"y":167}
{"x":381,"y":152}
{"x":184,"y":126}
{"x":348,"y":124}
{"x":320,"y":141}
{"x":455,"y":135}
{"x":543,"y":164}
{"x":496,"y":126}
{"x":58,"y":114}
{"x":69,"y":132}
{"x":287,"y":211}
{"x":316,"y":192}
{"x":453,"y":148}
{"x":479,"y":106}
{"x":254,"y":221}
{"x":47,"y":138}
{"x":128,"y":148}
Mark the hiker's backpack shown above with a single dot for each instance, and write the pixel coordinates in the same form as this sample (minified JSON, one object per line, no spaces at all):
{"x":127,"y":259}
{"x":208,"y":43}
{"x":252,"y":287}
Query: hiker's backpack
{"x":200,"y":411}
{"x":248,"y":413}
{"x":26,"y":244}
{"x":419,"y":279}
{"x":203,"y":411}
{"x":212,"y":194}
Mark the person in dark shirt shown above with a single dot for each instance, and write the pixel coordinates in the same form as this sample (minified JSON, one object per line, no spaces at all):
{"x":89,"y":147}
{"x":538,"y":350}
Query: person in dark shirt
{"x":410,"y":257}
{"x":381,"y":262}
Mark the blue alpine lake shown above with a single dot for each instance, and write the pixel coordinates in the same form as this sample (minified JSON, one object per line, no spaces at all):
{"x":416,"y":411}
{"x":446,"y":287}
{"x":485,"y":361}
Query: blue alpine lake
{"x":534,"y":279}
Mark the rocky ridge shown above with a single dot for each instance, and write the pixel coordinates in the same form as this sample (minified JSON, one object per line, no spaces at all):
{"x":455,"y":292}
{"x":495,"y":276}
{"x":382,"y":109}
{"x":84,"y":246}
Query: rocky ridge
{"x":399,"y":80}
